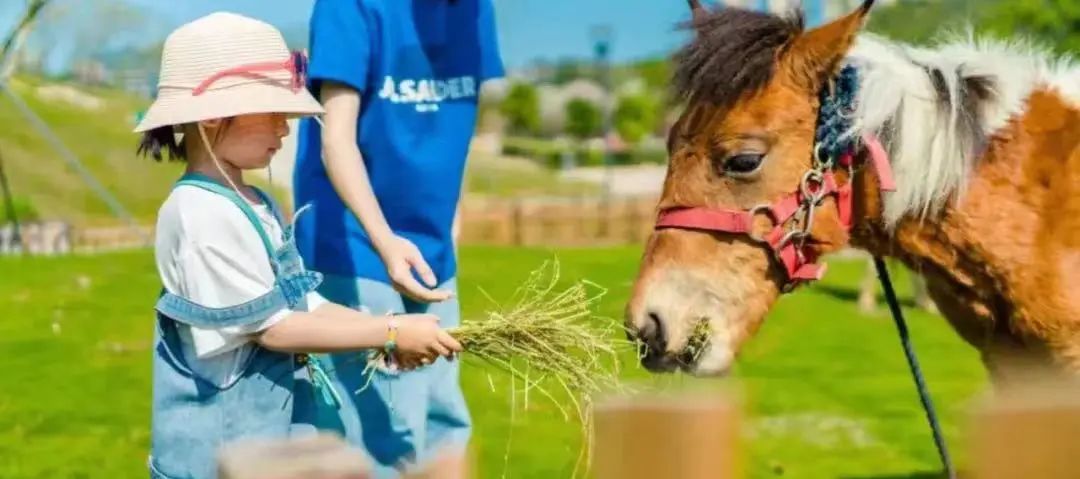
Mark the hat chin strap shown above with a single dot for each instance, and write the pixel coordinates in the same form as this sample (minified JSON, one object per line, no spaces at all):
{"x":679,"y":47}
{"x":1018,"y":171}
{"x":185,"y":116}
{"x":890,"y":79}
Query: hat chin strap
{"x":214,"y":158}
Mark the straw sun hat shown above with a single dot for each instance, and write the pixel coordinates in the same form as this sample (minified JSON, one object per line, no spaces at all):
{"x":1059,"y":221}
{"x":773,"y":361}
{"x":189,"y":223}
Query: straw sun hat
{"x":224,"y":65}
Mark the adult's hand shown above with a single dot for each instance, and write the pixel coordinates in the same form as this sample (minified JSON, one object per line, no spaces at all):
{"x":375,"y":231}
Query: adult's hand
{"x":402,"y":258}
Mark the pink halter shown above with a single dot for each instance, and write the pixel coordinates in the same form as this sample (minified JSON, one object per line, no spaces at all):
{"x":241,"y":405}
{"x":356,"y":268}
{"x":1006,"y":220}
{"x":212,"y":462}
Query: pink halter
{"x":787,"y":239}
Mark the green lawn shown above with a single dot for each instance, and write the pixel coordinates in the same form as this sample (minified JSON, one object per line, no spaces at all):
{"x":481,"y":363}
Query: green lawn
{"x":827,"y":390}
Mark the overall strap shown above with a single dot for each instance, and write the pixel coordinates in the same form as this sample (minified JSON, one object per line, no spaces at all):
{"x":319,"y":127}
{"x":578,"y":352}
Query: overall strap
{"x":202,"y":181}
{"x":288,"y":230}
{"x":270,"y":203}
{"x":258,"y":309}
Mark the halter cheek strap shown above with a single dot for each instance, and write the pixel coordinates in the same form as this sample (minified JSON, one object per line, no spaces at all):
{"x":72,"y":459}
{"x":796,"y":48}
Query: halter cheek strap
{"x":792,"y":216}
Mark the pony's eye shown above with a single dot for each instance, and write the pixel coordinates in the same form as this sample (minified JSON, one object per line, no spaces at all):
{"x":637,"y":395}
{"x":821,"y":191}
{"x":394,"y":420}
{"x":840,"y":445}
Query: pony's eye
{"x":742,"y":164}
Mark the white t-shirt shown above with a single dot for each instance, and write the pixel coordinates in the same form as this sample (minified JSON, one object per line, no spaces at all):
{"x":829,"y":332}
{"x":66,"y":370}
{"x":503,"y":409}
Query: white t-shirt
{"x":209,"y":253}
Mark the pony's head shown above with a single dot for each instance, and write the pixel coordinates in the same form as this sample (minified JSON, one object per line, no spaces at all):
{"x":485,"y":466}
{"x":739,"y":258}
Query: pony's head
{"x":756,"y":180}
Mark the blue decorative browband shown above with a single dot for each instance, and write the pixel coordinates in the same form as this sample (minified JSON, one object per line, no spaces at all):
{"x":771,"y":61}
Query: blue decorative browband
{"x":836,"y":114}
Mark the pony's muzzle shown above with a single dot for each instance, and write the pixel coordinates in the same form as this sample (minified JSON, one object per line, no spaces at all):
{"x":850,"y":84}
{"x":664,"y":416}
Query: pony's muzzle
{"x":655,"y":326}
{"x":646,"y":329}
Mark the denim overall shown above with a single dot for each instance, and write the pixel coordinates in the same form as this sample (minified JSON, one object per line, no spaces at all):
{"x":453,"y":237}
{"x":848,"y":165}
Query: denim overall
{"x":193,"y":416}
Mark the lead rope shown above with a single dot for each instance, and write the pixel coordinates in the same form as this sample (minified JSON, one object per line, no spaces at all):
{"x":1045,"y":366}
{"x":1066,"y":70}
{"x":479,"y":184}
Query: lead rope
{"x":831,"y":137}
{"x":913,"y":363}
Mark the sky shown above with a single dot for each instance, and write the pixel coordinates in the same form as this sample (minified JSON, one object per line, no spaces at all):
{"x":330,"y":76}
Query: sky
{"x":528,"y":29}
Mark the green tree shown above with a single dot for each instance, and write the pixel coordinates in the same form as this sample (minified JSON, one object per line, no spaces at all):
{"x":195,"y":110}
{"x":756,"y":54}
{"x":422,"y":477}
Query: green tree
{"x":13,"y":41}
{"x":656,"y":73}
{"x":22,"y":209}
{"x":97,"y":30}
{"x":582,"y":118}
{"x":635,"y":117}
{"x":921,"y":22}
{"x":1054,"y":23}
{"x":521,"y":108}
{"x":568,"y":70}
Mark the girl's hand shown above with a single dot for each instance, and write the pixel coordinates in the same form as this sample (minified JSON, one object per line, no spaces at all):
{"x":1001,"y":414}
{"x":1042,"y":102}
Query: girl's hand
{"x":401,"y":256}
{"x":420,"y":341}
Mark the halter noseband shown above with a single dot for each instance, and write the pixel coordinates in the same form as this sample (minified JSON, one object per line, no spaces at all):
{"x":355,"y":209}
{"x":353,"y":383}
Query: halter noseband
{"x":792,"y":216}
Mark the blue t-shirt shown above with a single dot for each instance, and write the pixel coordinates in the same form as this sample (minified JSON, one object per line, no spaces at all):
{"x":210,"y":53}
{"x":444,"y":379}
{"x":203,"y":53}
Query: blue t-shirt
{"x":418,"y":65}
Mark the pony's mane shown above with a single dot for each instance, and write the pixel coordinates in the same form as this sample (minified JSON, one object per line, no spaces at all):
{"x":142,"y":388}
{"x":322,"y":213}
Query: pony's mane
{"x":935,"y":108}
{"x":732,"y":52}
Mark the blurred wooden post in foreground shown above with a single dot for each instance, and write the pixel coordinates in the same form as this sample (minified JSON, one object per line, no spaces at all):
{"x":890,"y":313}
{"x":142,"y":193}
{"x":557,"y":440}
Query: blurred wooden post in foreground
{"x":316,"y":457}
{"x":667,"y":437}
{"x":325,"y":456}
{"x":1028,"y":433}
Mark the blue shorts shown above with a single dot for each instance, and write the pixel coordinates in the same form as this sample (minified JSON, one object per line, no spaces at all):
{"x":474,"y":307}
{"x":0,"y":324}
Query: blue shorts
{"x":400,"y":418}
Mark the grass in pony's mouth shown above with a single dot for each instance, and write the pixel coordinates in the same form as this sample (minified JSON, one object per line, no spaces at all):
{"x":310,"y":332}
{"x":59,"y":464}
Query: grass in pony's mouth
{"x":548,"y":339}
{"x":698,"y":342}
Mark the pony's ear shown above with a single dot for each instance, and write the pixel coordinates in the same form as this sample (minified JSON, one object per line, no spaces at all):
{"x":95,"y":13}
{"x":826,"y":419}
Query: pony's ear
{"x":814,"y":56}
{"x":696,"y":10}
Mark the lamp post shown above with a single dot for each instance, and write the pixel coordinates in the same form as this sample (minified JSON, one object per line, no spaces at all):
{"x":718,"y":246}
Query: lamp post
{"x":601,"y":36}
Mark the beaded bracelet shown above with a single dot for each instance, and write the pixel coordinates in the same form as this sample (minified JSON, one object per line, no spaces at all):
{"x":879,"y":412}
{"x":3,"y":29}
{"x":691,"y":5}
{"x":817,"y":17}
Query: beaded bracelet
{"x":392,"y":332}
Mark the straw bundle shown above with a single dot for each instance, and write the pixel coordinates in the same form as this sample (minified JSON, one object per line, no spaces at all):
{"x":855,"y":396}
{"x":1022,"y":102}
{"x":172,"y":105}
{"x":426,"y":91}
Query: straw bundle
{"x":549,"y":339}
{"x":548,"y":334}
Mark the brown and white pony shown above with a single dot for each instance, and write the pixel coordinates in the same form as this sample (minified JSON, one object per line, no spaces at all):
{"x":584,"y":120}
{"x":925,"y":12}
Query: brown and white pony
{"x":982,"y":139}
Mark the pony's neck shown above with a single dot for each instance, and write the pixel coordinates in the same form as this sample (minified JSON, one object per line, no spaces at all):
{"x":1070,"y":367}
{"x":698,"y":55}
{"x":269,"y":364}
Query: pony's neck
{"x":982,"y":139}
{"x":973,"y":282}
{"x":930,"y":244}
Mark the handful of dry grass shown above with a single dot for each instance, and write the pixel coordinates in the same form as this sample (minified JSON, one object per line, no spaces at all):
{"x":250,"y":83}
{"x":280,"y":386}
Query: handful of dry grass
{"x":548,"y":334}
{"x":549,"y":339}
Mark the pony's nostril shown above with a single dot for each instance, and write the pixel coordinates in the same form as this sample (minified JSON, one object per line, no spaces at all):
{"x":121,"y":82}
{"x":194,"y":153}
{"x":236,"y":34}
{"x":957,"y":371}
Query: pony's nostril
{"x":653,"y":333}
{"x":654,"y":322}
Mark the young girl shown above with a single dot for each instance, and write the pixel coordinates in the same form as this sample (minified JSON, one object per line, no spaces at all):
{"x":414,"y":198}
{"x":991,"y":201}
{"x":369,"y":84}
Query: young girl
{"x":238,"y":308}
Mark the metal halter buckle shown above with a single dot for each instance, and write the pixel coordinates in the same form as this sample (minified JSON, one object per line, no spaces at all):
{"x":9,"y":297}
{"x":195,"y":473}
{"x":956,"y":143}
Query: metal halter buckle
{"x":752,"y":213}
